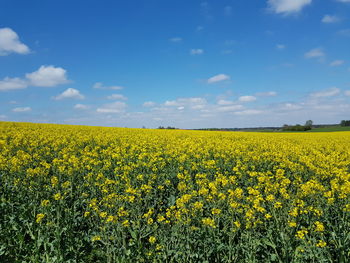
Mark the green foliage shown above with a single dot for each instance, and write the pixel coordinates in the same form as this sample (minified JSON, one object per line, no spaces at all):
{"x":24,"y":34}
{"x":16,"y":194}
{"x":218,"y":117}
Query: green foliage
{"x":297,"y":127}
{"x":345,"y":123}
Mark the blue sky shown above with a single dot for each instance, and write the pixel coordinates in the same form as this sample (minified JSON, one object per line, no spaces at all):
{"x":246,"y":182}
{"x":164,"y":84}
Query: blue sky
{"x":189,"y":64}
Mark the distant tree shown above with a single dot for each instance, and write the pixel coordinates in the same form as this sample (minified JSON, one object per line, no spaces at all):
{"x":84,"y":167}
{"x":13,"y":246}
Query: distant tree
{"x":308,"y":123}
{"x":344,"y":123}
{"x":297,"y":127}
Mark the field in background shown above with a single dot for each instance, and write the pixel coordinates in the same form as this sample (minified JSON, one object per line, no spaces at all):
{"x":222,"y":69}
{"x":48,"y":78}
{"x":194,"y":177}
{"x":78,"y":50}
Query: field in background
{"x":330,"y":129}
{"x":93,"y":194}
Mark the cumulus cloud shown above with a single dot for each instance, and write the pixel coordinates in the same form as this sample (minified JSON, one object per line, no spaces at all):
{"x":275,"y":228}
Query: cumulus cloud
{"x":224,"y":102}
{"x":9,"y":43}
{"x":22,"y":109}
{"x":81,"y":107}
{"x":280,"y":46}
{"x":333,"y":91}
{"x":175,"y":39}
{"x":117,"y":97}
{"x":70,"y":93}
{"x":12,"y":84}
{"x":196,"y":51}
{"x":347,"y":93}
{"x":315,"y":53}
{"x":218,"y":78}
{"x":99,"y":85}
{"x":290,"y":106}
{"x":266,"y":94}
{"x":336,"y":63}
{"x":228,"y":108}
{"x":47,"y":76}
{"x":148,"y":104}
{"x":287,"y":7}
{"x":248,"y":112}
{"x":115,"y":107}
{"x":247,"y":98}
{"x":193,"y":103}
{"x":328,"y":19}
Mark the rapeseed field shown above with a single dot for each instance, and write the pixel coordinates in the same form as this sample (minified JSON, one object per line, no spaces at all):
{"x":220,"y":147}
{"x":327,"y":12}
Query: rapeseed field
{"x":94,"y":194}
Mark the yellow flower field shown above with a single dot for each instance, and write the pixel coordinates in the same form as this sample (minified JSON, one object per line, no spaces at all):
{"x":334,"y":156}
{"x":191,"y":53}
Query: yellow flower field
{"x":94,"y":194}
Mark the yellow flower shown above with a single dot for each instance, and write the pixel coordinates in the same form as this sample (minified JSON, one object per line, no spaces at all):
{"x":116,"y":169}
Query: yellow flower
{"x":292,"y":223}
{"x":277,"y":205}
{"x":208,"y":222}
{"x":45,"y":202}
{"x":57,"y":196}
{"x":103,"y":214}
{"x":39,"y":217}
{"x":319,"y":227}
{"x":86,"y":214}
{"x":54,"y":180}
{"x":95,"y":238}
{"x":198,"y":205}
{"x":110,"y":219}
{"x":66,"y":184}
{"x":268,"y":216}
{"x":216,"y":211}
{"x":152,"y":239}
{"x":125,"y":223}
{"x":321,"y":243}
{"x":159,"y":247}
{"x":301,"y":234}
{"x":150,"y":221}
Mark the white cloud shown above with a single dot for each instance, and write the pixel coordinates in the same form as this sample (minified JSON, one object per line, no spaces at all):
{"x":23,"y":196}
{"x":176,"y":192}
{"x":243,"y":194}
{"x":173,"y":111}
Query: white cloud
{"x":3,"y":117}
{"x":81,"y":107}
{"x":9,"y":43}
{"x":347,"y":93}
{"x":196,"y":51}
{"x":115,"y":107}
{"x":217,"y":78}
{"x":175,"y":39}
{"x":328,"y":19}
{"x":229,"y":108}
{"x":248,"y":112}
{"x":12,"y":84}
{"x":148,"y":104}
{"x":117,"y":97}
{"x":70,"y":93}
{"x":280,"y":46}
{"x":266,"y":94}
{"x":47,"y":76}
{"x":195,"y":101}
{"x":315,"y":53}
{"x":224,"y":102}
{"x":291,"y":106}
{"x":99,"y":85}
{"x":247,"y":98}
{"x":344,"y":32}
{"x":337,"y":63}
{"x":22,"y":109}
{"x":287,"y":6}
{"x":333,"y":91}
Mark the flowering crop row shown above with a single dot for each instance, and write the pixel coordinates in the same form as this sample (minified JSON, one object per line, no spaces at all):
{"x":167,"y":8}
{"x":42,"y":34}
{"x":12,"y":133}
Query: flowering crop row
{"x":93,"y":194}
